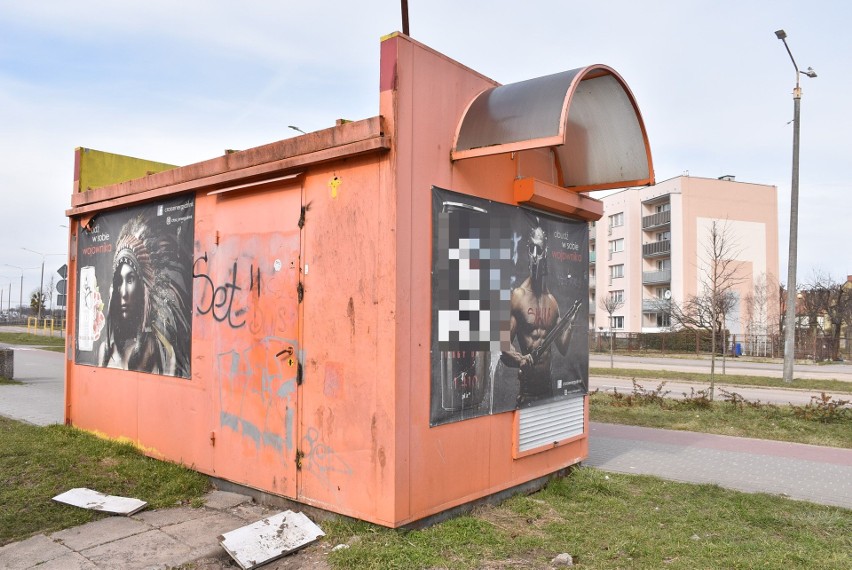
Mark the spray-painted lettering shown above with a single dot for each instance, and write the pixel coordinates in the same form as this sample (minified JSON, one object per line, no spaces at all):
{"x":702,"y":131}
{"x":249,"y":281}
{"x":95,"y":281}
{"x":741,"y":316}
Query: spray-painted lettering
{"x":218,"y":300}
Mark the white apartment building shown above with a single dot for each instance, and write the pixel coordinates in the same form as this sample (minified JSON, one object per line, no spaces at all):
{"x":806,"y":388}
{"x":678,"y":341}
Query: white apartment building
{"x":650,"y":249}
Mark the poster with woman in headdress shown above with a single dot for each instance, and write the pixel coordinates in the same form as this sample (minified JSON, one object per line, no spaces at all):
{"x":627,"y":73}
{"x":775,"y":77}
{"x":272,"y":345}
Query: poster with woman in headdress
{"x":134,"y":308}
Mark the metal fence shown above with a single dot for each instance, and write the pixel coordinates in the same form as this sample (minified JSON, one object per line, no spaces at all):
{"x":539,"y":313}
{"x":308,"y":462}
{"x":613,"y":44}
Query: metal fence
{"x":809,"y":345}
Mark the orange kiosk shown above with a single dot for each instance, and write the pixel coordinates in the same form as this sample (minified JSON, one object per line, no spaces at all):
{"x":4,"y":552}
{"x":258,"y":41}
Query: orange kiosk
{"x":386,"y":319}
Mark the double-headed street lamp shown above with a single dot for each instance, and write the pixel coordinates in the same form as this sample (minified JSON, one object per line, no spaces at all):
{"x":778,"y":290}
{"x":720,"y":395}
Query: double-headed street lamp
{"x":41,"y":285}
{"x":790,"y":319}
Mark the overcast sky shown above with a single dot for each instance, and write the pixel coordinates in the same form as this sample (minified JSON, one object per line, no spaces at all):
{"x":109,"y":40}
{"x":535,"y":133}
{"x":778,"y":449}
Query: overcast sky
{"x":179,"y":82}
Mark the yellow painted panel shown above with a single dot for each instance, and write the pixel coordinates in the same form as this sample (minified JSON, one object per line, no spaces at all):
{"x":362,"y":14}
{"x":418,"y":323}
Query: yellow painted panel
{"x":96,"y":168}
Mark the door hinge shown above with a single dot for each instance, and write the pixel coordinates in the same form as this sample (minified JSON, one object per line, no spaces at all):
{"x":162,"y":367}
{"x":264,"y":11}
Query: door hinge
{"x":300,"y":289}
{"x":299,"y":374}
{"x":299,"y":455}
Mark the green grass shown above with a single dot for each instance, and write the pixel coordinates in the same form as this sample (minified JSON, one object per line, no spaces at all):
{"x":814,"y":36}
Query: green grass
{"x":603,"y":520}
{"x":53,"y":343}
{"x":731,"y":379}
{"x":762,"y":422}
{"x":38,"y":463}
{"x":613,"y":521}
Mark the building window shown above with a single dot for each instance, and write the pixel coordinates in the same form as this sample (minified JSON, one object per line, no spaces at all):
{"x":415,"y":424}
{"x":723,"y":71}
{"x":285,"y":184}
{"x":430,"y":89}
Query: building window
{"x":616,"y":245}
{"x":616,"y":271}
{"x":617,"y":296}
{"x":661,"y":292}
{"x":664,"y":320}
{"x":663,"y":207}
{"x":616,"y":220}
{"x":664,"y":264}
{"x":664,"y":236}
{"x":616,"y":322}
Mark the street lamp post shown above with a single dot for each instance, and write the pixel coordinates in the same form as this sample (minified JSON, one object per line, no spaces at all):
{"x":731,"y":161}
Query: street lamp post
{"x":790,"y":318}
{"x":41,"y":284}
{"x":21,"y":299}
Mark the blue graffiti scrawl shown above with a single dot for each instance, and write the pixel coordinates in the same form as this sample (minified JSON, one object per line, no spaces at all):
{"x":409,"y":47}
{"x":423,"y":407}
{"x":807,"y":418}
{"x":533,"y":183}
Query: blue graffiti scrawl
{"x":320,"y":460}
{"x":257,"y":394}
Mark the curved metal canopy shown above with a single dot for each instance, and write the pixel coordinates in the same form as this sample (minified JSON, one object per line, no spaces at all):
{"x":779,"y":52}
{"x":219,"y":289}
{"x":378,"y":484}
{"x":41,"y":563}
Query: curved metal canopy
{"x":588,"y":116}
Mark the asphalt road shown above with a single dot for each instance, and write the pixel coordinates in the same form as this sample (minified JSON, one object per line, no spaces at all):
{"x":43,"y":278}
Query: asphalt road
{"x":831,"y":371}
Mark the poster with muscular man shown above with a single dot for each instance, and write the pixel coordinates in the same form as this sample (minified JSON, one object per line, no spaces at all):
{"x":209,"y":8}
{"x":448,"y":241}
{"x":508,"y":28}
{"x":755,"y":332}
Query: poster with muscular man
{"x":510,"y":293}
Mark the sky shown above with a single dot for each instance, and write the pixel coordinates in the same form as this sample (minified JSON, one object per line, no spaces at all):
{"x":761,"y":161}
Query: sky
{"x":180,"y":82}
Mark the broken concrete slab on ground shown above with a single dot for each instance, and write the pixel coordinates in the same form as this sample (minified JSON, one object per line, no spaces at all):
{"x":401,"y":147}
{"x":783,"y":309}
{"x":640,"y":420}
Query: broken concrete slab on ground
{"x":271,"y":538}
{"x":97,"y":501}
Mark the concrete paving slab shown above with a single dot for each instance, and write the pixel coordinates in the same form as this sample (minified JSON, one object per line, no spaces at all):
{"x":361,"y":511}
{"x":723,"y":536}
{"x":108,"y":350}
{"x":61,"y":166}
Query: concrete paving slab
{"x":251,"y":512}
{"x":151,"y":549}
{"x":31,"y":552}
{"x":222,"y":500}
{"x":99,"y":532}
{"x":166,"y":517}
{"x":71,"y":561}
{"x":203,"y":533}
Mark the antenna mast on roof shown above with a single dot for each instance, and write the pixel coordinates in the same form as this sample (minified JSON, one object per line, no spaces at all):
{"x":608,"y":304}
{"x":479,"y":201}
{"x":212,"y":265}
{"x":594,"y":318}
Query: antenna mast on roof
{"x":404,"y":17}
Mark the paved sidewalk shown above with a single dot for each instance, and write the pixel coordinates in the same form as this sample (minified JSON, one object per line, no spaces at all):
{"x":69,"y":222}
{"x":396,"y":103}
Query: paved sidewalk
{"x":805,"y":472}
{"x":157,"y":539}
{"x":149,"y":539}
{"x":40,"y":397}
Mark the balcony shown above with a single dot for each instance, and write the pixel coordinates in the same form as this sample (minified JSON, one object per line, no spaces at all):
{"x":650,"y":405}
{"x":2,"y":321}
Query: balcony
{"x":656,"y":277}
{"x":657,"y":248}
{"x":656,"y":305}
{"x":592,"y":256}
{"x":657,"y":220}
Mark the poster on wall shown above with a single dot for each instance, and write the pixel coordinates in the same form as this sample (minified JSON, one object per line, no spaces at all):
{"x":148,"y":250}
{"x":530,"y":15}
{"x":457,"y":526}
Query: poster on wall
{"x":134,"y":288}
{"x":510,"y":290}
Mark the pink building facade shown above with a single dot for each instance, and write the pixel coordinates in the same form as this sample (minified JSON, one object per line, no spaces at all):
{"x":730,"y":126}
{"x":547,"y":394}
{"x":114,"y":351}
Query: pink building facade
{"x":650,"y":248}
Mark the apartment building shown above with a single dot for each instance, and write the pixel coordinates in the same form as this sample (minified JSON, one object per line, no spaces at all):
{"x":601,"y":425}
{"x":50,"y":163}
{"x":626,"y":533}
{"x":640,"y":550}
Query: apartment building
{"x":650,"y":249}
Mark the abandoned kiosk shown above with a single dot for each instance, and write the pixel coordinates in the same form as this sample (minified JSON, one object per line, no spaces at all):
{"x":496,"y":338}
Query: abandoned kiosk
{"x":386,"y":319}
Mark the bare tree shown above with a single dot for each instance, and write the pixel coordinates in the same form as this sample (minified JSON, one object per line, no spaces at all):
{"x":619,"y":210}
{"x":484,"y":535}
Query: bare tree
{"x":610,"y":303}
{"x":827,"y":304}
{"x":757,"y":307}
{"x":719,"y":275}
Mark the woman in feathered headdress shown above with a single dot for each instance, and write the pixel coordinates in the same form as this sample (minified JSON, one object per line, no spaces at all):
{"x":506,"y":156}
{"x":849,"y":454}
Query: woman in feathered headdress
{"x":146,"y":316}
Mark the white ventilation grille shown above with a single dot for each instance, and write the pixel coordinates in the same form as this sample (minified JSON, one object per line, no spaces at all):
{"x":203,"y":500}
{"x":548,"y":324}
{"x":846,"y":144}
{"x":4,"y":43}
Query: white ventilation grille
{"x":550,"y":423}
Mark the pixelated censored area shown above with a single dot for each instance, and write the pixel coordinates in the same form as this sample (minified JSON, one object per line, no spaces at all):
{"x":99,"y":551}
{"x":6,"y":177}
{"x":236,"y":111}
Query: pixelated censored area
{"x":473,"y":273}
{"x":484,"y":255}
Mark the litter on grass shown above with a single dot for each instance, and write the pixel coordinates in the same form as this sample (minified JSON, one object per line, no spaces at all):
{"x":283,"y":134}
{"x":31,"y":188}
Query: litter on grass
{"x":95,"y":501}
{"x":270,"y":538}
